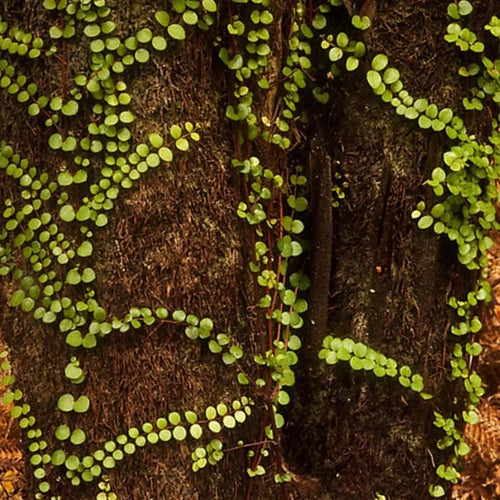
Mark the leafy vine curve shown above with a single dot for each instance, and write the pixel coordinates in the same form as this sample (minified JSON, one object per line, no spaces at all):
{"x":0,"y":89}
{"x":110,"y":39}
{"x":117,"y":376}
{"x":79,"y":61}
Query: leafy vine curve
{"x":53,"y":266}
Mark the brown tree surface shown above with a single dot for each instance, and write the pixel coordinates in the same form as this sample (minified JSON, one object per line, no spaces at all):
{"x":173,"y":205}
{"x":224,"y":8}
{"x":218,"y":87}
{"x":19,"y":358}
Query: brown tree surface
{"x":175,"y":240}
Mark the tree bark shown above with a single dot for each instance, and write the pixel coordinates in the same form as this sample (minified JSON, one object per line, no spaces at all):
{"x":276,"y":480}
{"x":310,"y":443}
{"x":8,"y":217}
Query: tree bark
{"x":176,"y":240}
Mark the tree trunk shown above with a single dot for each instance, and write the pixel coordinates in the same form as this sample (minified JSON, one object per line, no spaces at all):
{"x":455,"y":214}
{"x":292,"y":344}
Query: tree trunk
{"x":175,"y":240}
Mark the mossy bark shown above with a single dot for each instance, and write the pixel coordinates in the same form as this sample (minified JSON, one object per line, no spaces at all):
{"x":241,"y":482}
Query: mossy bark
{"x":176,"y":240}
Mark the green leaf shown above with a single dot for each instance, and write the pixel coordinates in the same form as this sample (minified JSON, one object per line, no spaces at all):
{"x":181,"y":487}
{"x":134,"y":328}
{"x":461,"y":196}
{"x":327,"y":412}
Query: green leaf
{"x":165,"y":154}
{"x":101,"y":220}
{"x":391,"y":75}
{"x":176,"y":31}
{"x":73,"y":277}
{"x":89,"y":341}
{"x":196,"y":431}
{"x":229,"y":422}
{"x":319,"y":21}
{"x":58,"y":457}
{"x":17,"y":297}
{"x":190,"y":17}
{"x":72,"y":371}
{"x":62,"y":432}
{"x":445,"y":115}
{"x":159,"y":43}
{"x":144,"y":35}
{"x":356,"y":363}
{"x":436,"y":491}
{"x":70,"y":108}
{"x":141,"y":55}
{"x":288,"y":297}
{"x":379,"y":62}
{"x":88,"y":275}
{"x":179,"y":316}
{"x":109,"y":462}
{"x":228,"y":358}
{"x":67,"y":213}
{"x":77,"y":437}
{"x":294,"y":343}
{"x":85,"y":249}
{"x":182,"y":144}
{"x":162,"y":18}
{"x":209,"y":5}
{"x":373,"y":78}
{"x":475,"y":325}
{"x":361,"y":23}
{"x":425,"y":222}
{"x":421,"y":105}
{"x":55,"y":32}
{"x":55,"y":141}
{"x":66,"y":402}
{"x":74,"y":338}
{"x":464,"y":7}
{"x":335,"y":54}
{"x":156,"y":140}
{"x":83,"y":213}
{"x":462,"y":448}
{"x":179,"y":433}
{"x":424,"y":122}
{"x":82,"y":404}
{"x":351,"y":63}
{"x":27,"y":304}
{"x":126,"y":117}
{"x":65,"y":179}
{"x":438,"y":174}
{"x":214,"y":426}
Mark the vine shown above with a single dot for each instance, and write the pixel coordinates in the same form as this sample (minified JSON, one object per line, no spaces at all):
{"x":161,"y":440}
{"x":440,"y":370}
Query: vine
{"x":468,"y":182}
{"x":49,"y":226}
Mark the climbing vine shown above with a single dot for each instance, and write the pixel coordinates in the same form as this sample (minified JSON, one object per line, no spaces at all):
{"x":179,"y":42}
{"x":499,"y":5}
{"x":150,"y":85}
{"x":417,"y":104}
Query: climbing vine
{"x":49,"y":226}
{"x":467,"y":182}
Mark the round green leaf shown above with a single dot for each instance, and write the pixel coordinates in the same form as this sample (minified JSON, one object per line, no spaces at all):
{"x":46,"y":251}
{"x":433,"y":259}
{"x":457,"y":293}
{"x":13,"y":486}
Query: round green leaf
{"x":374,"y":79}
{"x":58,"y":457}
{"x":379,"y":62}
{"x":82,"y":404}
{"x":195,"y":430}
{"x":70,"y":108}
{"x":85,"y":249}
{"x":142,"y":56}
{"x":88,"y":275}
{"x":73,"y":277}
{"x":464,"y":7}
{"x":176,"y":31}
{"x":126,"y":117}
{"x":162,"y":17}
{"x":391,"y":75}
{"x":67,"y":213}
{"x":159,"y":43}
{"x":17,"y":297}
{"x":77,"y":437}
{"x":109,"y":462}
{"x":62,"y":432}
{"x":66,"y":402}
{"x":179,"y":433}
{"x":144,"y":35}
{"x":55,"y":141}
{"x":425,"y":222}
{"x":209,"y":5}
{"x":190,"y":17}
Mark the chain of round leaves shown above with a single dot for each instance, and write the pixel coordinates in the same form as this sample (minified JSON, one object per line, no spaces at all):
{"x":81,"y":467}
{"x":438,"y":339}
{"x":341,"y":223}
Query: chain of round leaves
{"x":58,"y":266}
{"x":33,"y":230}
{"x":275,"y":236}
{"x":467,"y":182}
